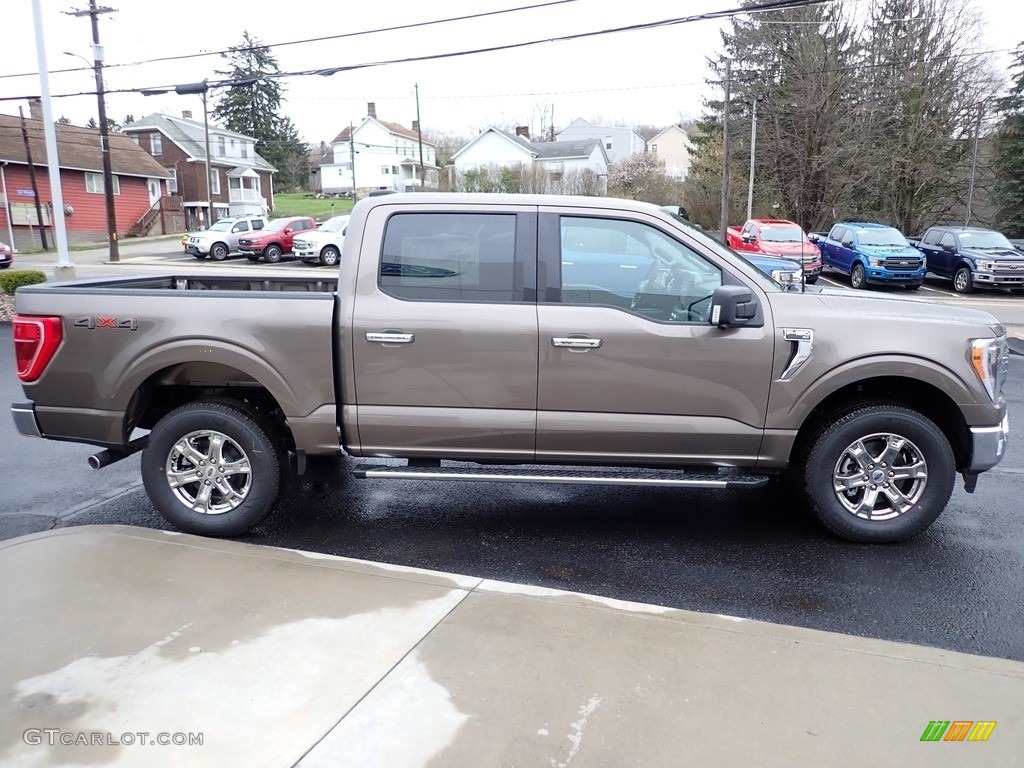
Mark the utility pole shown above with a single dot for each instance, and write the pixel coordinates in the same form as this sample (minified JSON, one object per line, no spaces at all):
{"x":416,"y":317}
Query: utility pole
{"x":32,"y":178}
{"x":974,"y":166}
{"x":753,"y":141}
{"x":352,"y":155}
{"x":725,"y":153}
{"x":419,"y":131}
{"x":108,"y":174}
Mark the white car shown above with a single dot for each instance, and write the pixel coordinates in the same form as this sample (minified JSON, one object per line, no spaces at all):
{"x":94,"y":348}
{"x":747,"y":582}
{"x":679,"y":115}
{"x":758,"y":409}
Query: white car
{"x":221,"y":240}
{"x":323,"y":244}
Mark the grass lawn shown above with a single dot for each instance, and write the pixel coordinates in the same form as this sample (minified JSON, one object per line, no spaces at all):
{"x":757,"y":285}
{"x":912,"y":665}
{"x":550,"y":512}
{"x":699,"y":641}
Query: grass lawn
{"x":297,"y":204}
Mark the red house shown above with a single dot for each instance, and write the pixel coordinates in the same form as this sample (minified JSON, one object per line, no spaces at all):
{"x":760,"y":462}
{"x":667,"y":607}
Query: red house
{"x":140,"y":202}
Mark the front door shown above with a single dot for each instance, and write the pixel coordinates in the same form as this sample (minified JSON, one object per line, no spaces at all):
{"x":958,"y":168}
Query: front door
{"x":444,"y":333}
{"x":153,"y":186}
{"x":630,"y":369}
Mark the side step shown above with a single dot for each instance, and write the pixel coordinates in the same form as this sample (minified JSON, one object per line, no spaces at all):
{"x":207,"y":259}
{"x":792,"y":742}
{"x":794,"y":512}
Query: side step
{"x":654,"y":477}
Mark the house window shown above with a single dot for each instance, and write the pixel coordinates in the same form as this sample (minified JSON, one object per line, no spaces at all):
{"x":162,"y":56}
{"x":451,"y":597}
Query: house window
{"x":94,"y":184}
{"x":222,"y":146}
{"x":394,"y":169}
{"x":607,"y":145}
{"x":155,"y":144}
{"x":215,"y":181}
{"x":654,"y":148}
{"x":172,"y":183}
{"x":135,"y":138}
{"x":385,"y":169}
{"x":245,"y":149}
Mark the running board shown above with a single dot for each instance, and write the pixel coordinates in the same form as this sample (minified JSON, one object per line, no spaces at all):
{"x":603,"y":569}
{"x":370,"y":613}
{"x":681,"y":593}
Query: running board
{"x":653,"y":477}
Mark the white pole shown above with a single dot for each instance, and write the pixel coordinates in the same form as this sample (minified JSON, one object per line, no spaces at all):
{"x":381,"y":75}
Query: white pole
{"x":63,"y":260}
{"x":7,"y":205}
{"x":753,"y":141}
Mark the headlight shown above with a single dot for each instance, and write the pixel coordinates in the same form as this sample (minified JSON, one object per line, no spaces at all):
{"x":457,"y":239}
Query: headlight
{"x":876,"y":261}
{"x":990,"y":359}
{"x":786,"y":276}
{"x":986,"y":266}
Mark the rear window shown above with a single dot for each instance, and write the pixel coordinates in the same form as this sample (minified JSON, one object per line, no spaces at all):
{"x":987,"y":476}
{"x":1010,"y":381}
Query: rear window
{"x":450,"y":257}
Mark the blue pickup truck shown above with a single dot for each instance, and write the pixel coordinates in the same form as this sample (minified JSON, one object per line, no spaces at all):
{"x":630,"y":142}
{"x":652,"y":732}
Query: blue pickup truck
{"x":972,"y":257}
{"x":872,"y":254}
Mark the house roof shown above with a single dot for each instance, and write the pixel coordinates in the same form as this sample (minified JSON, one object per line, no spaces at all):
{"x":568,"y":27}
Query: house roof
{"x":672,"y":127}
{"x":543,"y":150}
{"x":395,"y":128}
{"x":176,"y":130}
{"x":579,"y":122}
{"x":77,"y":148}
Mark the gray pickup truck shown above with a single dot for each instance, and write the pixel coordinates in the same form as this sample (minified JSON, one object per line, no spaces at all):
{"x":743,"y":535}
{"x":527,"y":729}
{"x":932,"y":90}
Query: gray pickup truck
{"x":520,"y":339}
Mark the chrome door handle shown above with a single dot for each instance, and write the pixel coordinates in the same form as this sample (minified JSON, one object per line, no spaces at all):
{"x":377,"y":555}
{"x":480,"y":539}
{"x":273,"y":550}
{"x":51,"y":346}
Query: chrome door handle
{"x":573,"y":342}
{"x":390,"y":337}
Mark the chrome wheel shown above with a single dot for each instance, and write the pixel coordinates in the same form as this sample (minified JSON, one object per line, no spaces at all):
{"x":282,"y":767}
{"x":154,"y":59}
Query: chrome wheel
{"x":962,"y":282}
{"x":880,"y":476}
{"x":857,"y":276}
{"x":208,"y":472}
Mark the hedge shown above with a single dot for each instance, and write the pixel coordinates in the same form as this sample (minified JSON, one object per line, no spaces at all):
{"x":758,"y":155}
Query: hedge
{"x":13,"y":279}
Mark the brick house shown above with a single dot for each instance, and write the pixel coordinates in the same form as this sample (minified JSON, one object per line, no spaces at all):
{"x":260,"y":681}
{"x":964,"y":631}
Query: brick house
{"x":139,"y":185}
{"x":241,"y":181}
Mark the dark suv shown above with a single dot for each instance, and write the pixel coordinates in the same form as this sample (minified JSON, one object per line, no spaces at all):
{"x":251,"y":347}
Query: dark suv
{"x":274,"y":240}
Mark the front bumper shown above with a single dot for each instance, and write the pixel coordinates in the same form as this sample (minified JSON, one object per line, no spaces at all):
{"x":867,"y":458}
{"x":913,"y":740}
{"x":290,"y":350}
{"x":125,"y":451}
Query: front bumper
{"x":883,"y":276}
{"x":988,"y":445}
{"x":198,"y":250}
{"x":996,"y":279}
{"x":25,"y":419}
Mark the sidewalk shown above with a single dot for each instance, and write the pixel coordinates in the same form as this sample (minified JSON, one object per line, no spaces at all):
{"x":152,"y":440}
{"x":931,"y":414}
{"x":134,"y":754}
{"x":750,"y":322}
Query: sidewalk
{"x":278,"y":658}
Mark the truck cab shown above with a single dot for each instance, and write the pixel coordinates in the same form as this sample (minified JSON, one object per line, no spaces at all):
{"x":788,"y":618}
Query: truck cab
{"x":872,"y":254}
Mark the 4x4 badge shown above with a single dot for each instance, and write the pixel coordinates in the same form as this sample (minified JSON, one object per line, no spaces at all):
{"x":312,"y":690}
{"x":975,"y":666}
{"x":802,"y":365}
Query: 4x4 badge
{"x":124,"y":323}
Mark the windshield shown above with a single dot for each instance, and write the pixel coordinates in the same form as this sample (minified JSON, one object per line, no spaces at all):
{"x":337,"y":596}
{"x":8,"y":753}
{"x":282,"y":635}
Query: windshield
{"x":277,"y":225}
{"x":984,"y":240}
{"x":222,"y":226}
{"x":883,"y":237}
{"x":334,"y":225}
{"x":782,"y":234}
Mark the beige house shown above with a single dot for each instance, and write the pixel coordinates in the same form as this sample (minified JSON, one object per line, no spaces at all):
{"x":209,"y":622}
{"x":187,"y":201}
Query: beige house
{"x":673,"y":146}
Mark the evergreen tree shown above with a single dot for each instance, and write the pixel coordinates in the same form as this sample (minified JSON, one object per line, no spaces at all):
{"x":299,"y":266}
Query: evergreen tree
{"x":255,"y":110}
{"x":1008,"y":162}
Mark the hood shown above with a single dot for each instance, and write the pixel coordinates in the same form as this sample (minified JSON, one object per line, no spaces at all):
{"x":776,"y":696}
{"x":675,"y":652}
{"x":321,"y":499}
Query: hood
{"x":992,"y":254}
{"x":789,"y":249}
{"x":900,"y":310}
{"x":890,"y":250}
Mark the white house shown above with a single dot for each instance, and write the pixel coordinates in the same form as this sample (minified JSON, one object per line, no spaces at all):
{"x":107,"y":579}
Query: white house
{"x":496,"y":149}
{"x":673,"y":146}
{"x":386,"y":156}
{"x":619,"y":142}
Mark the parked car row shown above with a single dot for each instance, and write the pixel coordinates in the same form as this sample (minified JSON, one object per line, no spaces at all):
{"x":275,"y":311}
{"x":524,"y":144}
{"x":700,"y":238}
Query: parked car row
{"x":778,"y":239}
{"x":257,"y":239}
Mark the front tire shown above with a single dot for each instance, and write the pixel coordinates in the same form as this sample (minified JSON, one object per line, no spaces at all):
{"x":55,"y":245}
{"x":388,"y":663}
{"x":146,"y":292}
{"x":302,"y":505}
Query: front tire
{"x":811,"y":280}
{"x":272,"y":254}
{"x":219,"y":252}
{"x":329,"y":256}
{"x":857,"y":279}
{"x":879,"y":473}
{"x":212,"y":469}
{"x":963,"y":282}
{"x":912,"y":286}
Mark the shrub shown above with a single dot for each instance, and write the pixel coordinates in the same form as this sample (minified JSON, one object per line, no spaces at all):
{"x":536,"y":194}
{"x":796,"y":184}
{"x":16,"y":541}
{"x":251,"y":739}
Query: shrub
{"x":13,"y":279}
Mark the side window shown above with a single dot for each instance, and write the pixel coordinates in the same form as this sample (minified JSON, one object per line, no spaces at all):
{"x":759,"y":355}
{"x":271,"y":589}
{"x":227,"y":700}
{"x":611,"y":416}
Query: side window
{"x":748,"y":229}
{"x":932,"y":237}
{"x":947,"y":239}
{"x":450,"y":257}
{"x":240,"y":227}
{"x":257,"y":224}
{"x":637,"y":268}
{"x":837,"y":233}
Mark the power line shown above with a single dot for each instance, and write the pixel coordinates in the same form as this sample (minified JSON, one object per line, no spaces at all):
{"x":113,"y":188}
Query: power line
{"x":778,"y":5}
{"x":396,"y":28}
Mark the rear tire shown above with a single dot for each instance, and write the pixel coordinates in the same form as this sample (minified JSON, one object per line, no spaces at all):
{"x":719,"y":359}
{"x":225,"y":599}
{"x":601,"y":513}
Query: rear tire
{"x":212,"y":468}
{"x":878,"y":473}
{"x":857,"y":279}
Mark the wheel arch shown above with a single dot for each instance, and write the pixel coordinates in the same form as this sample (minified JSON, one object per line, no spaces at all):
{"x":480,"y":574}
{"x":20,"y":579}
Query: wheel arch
{"x":918,"y":393}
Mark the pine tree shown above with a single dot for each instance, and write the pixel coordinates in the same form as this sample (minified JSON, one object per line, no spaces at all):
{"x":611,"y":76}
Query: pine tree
{"x":255,"y":110}
{"x":1008,"y":162}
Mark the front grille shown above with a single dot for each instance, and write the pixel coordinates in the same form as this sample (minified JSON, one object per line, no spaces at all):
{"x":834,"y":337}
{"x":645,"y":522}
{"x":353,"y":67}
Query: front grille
{"x":245,"y":242}
{"x":902,"y":262}
{"x":1015,"y":268}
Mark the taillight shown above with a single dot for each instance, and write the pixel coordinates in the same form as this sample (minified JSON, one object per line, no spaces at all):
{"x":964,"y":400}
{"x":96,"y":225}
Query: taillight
{"x":35,"y":341}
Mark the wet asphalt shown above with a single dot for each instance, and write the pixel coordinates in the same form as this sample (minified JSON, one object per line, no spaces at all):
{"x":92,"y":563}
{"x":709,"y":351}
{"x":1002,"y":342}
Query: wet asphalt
{"x":753,"y":554}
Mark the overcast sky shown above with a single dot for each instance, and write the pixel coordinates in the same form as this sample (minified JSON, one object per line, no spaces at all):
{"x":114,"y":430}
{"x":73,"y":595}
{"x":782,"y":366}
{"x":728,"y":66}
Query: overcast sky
{"x":639,"y":77}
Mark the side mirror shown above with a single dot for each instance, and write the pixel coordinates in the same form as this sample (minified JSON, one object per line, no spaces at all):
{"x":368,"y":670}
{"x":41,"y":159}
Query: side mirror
{"x":949,"y":248}
{"x":847,"y":243}
{"x":288,"y":230}
{"x":734,"y":306}
{"x":748,"y":238}
{"x":813,"y":237}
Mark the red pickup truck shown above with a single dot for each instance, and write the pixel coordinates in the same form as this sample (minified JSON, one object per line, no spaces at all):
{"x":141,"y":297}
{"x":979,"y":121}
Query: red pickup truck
{"x":777,"y":237}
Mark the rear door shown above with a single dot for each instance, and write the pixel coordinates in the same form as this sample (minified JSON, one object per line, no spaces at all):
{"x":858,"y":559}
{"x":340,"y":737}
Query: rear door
{"x":444,"y":332}
{"x":630,"y":369}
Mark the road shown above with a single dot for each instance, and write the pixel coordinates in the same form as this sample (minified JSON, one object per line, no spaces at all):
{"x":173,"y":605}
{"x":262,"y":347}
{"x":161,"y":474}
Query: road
{"x":752,"y":554}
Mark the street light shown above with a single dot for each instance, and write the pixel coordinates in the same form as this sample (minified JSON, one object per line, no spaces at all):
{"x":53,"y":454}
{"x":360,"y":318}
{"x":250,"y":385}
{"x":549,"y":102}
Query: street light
{"x":203,"y":89}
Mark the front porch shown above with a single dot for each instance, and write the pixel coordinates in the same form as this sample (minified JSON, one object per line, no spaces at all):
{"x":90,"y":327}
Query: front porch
{"x":245,"y":197}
